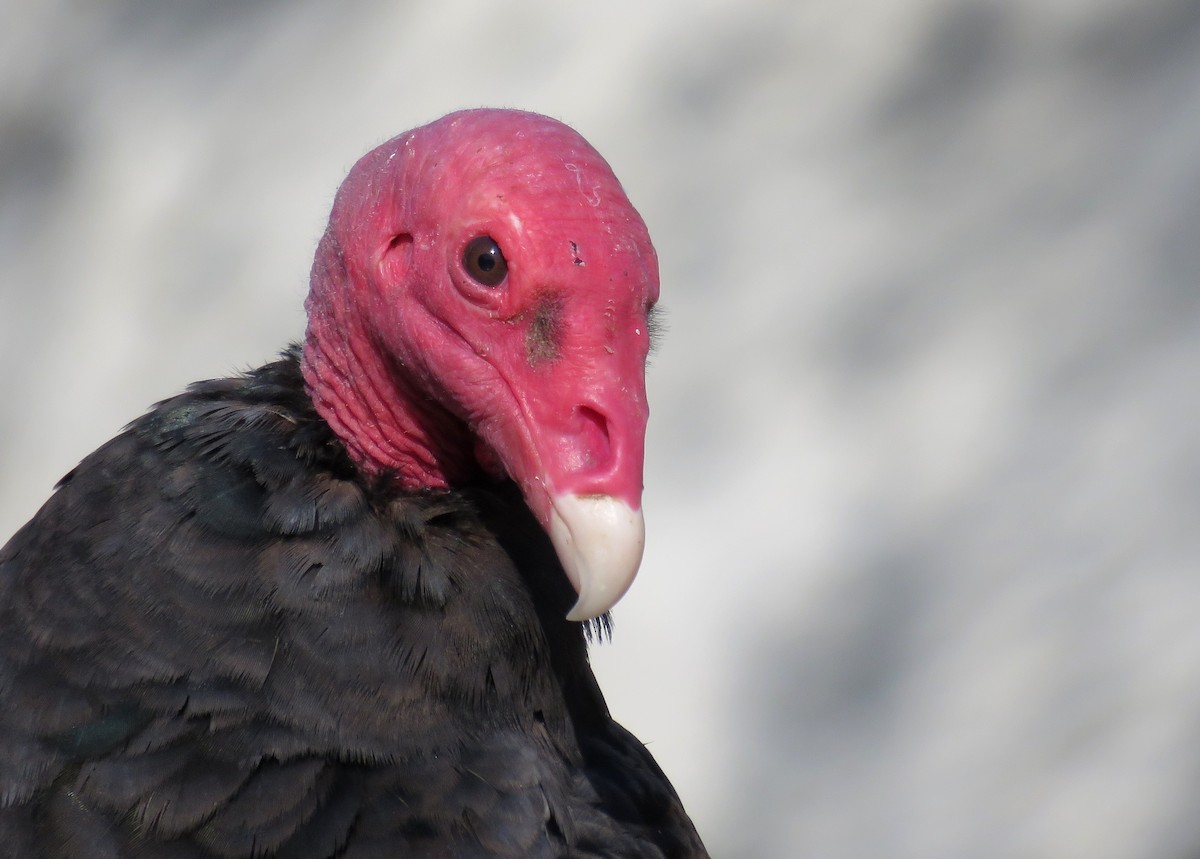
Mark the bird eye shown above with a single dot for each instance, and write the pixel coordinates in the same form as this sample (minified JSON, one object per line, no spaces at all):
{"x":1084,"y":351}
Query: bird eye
{"x":484,"y":261}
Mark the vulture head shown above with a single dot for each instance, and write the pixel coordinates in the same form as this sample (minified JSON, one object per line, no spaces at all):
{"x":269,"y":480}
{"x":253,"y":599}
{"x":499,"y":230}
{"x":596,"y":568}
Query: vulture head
{"x":478,"y":309}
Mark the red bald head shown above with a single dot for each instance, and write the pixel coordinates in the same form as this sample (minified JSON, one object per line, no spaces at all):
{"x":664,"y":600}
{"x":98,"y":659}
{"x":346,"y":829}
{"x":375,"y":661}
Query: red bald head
{"x":479,"y":305}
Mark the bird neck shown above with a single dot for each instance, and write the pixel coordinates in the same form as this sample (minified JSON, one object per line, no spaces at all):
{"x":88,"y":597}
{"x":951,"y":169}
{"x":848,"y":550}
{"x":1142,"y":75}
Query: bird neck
{"x":390,"y":428}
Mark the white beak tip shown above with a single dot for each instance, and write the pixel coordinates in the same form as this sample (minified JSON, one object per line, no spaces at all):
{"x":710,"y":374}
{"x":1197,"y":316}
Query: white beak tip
{"x":599,"y":540}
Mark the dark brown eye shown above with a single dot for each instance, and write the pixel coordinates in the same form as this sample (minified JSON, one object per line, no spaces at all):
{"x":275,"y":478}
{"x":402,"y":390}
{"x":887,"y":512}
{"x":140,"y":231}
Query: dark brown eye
{"x":484,"y":262}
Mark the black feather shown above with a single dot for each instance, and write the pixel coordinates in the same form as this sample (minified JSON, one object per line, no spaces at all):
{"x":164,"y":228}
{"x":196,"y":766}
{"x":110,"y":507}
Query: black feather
{"x":217,"y":641}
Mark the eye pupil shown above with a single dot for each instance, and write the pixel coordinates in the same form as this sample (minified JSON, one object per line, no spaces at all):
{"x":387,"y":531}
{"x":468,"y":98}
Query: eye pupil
{"x":484,"y":261}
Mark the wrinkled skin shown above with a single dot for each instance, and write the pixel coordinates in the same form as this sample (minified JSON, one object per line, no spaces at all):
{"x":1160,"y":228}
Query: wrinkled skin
{"x":541,"y":376}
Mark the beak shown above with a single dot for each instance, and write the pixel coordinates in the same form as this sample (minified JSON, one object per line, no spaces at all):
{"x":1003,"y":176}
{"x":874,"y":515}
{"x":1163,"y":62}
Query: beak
{"x":599,"y":540}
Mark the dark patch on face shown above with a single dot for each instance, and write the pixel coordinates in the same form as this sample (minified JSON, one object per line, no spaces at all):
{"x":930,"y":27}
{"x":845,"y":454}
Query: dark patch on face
{"x":542,"y":335}
{"x":575,"y":255}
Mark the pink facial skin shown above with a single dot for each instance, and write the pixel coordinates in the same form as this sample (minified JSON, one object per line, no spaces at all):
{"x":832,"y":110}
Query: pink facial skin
{"x":433,"y":374}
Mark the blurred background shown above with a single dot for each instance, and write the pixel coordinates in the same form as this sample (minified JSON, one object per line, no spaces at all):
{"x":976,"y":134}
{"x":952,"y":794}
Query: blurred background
{"x":923,"y":479}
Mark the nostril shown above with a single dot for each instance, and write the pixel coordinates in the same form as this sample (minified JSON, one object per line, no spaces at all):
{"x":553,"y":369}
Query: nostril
{"x":592,"y":429}
{"x":590,"y":416}
{"x":595,"y":451}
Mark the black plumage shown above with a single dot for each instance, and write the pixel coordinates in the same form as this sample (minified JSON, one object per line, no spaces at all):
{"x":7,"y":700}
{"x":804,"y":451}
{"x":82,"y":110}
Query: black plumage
{"x":217,"y":639}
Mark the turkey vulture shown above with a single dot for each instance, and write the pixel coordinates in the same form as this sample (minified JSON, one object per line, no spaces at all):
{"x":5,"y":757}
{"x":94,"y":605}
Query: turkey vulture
{"x":339,"y":606}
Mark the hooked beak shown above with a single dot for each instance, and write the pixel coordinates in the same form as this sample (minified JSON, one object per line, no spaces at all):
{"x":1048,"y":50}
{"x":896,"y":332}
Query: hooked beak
{"x":599,"y":540}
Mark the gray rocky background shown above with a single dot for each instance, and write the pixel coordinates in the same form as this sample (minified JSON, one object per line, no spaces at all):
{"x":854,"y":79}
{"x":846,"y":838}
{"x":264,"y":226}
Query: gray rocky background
{"x":923,"y":477}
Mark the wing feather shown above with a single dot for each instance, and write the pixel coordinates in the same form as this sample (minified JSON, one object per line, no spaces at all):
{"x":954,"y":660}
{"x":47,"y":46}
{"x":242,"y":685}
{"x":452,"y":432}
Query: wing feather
{"x":215,"y":641}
